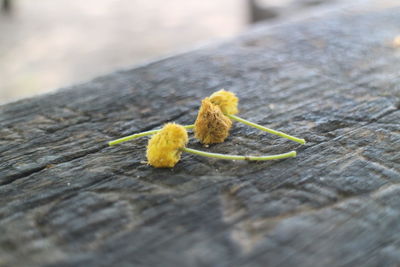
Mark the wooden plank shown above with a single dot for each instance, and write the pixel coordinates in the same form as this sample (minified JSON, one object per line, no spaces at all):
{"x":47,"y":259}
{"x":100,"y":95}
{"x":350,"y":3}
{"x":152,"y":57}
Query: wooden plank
{"x":67,"y":199}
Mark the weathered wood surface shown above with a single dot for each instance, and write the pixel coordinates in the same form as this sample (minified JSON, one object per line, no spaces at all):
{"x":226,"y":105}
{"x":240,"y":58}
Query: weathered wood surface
{"x":66,"y":199}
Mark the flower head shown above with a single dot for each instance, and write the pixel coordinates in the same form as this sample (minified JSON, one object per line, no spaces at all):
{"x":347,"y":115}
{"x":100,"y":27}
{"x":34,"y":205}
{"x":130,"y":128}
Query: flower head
{"x":226,"y":100}
{"x":164,"y":148}
{"x":211,"y":125}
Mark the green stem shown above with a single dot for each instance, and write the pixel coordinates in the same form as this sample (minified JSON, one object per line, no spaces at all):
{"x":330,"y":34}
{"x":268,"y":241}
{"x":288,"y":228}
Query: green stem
{"x":237,"y":157}
{"x":134,"y":136}
{"x":265,"y":129}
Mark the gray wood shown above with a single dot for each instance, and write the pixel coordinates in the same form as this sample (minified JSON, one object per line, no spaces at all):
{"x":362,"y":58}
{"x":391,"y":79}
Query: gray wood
{"x":66,"y":199}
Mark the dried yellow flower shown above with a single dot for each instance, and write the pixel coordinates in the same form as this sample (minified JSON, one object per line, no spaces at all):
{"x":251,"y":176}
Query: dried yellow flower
{"x":164,"y":148}
{"x":211,"y":125}
{"x":226,"y":100}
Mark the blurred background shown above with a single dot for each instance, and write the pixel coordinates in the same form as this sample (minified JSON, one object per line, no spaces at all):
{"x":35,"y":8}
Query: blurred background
{"x":48,"y":44}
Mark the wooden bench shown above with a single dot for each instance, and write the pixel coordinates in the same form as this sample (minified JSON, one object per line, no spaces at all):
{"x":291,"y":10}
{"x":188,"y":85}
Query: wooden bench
{"x":67,"y":199}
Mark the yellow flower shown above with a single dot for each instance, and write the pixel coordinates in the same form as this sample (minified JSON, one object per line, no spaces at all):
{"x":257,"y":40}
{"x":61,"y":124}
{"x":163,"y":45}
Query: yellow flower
{"x":226,"y":100}
{"x":164,"y":148}
{"x":211,"y":125}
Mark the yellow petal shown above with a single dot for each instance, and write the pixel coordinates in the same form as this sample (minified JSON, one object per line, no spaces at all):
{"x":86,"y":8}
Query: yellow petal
{"x":164,"y":148}
{"x":226,"y":100}
{"x":211,"y":125}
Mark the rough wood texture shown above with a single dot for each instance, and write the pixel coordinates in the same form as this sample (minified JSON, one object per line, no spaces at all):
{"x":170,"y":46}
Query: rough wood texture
{"x":66,"y":199}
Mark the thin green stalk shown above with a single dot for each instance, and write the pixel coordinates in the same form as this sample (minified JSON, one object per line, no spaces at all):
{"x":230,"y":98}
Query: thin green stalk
{"x":265,"y":129}
{"x":134,"y":136}
{"x":237,"y":157}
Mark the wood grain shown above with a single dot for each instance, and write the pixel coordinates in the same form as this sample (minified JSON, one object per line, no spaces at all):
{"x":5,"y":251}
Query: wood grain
{"x":66,"y":199}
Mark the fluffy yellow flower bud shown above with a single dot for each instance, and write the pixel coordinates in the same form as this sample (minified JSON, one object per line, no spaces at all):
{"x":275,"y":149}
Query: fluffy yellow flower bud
{"x":211,"y":125}
{"x":226,"y":100}
{"x":164,"y":148}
